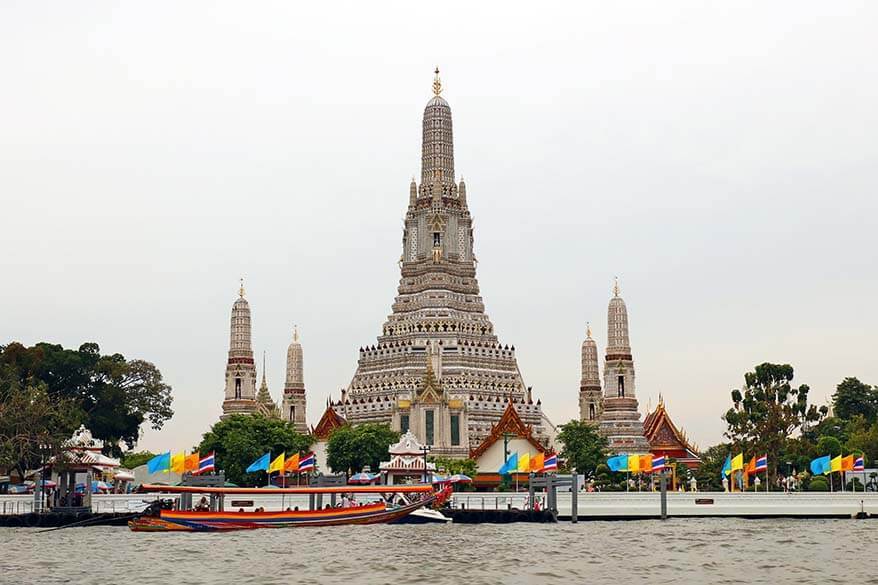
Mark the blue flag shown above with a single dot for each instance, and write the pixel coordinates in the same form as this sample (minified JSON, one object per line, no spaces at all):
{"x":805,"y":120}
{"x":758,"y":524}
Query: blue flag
{"x":510,"y":465}
{"x":260,"y":464}
{"x":618,"y":463}
{"x":159,"y":463}
{"x":820,"y":465}
{"x":727,"y":466}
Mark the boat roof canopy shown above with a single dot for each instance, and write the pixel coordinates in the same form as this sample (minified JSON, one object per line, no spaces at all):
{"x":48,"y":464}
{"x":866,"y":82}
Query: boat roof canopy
{"x":344,"y":489}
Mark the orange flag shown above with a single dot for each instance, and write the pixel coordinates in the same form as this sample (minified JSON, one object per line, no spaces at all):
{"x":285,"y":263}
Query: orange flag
{"x":847,"y":463}
{"x":751,"y":467}
{"x":292,"y":463}
{"x":537,"y":462}
{"x":191,"y":462}
{"x":646,"y":463}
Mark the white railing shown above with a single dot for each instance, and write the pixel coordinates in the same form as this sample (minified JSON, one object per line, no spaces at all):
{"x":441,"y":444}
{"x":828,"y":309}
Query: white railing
{"x":16,"y":504}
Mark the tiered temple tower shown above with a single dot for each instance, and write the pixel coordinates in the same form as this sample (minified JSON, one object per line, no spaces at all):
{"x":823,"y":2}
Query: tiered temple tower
{"x":620,"y":420}
{"x":439,"y":313}
{"x":293,"y":409}
{"x":590,"y":399}
{"x":264,"y":404}
{"x":240,"y":392}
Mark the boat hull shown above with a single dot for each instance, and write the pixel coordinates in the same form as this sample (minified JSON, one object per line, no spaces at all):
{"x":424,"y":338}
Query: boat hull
{"x":185,"y":521}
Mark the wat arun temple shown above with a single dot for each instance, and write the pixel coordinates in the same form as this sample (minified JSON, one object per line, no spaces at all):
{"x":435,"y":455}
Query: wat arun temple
{"x":438,"y":367}
{"x":438,"y":371}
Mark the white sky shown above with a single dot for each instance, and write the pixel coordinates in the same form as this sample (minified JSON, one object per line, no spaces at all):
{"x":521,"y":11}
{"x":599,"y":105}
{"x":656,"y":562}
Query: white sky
{"x":720,"y":158}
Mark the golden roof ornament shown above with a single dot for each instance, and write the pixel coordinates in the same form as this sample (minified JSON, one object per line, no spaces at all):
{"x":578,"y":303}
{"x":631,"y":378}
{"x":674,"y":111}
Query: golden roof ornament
{"x":437,"y":83}
{"x":295,"y":334}
{"x":616,"y":286}
{"x":241,"y":290}
{"x":588,"y":330}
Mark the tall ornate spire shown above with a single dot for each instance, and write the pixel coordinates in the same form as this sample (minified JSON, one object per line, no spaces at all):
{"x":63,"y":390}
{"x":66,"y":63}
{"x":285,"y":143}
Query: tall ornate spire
{"x":590,"y":400}
{"x":240,"y":389}
{"x":620,"y":421}
{"x":437,"y":150}
{"x":294,"y":388}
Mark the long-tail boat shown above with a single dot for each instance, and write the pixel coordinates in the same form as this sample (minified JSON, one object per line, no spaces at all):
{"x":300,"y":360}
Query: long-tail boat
{"x":155,"y":519}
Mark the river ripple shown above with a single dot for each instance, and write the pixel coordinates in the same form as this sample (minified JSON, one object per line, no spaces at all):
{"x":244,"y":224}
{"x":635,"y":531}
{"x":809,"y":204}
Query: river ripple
{"x":707,"y":550}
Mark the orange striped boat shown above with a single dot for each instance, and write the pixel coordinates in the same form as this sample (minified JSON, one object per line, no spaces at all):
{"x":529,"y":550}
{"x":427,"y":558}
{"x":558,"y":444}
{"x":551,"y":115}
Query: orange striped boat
{"x":197,"y":521}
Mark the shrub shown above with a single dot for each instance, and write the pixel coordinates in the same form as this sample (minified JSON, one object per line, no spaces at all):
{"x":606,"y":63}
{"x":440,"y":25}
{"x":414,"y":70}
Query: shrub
{"x":818,"y":484}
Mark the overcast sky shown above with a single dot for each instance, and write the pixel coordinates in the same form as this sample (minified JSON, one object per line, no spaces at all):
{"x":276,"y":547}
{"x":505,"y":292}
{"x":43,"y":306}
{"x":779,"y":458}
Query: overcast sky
{"x":720,"y":158}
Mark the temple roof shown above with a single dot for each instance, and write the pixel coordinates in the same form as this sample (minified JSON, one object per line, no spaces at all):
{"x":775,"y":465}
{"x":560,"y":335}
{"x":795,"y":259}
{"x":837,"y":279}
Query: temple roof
{"x":330,"y":421}
{"x":407,"y":445}
{"x":510,"y":423}
{"x":663,"y":434}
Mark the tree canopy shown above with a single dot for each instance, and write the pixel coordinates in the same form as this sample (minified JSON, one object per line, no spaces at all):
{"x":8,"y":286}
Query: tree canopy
{"x":853,"y":398}
{"x":454,"y":466}
{"x":240,"y":439}
{"x":584,"y":447}
{"x":350,"y":449}
{"x":116,"y":396}
{"x":768,"y":410}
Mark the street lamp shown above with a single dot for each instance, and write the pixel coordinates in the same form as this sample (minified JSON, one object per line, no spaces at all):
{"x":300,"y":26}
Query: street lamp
{"x":425,"y":449}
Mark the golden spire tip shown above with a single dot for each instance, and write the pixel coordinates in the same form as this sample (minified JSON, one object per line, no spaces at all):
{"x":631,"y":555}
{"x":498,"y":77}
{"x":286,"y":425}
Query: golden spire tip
{"x":241,"y":290}
{"x":437,"y":83}
{"x":616,"y":286}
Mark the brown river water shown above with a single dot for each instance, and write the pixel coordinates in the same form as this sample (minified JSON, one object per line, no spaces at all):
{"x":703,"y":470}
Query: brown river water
{"x":710,"y":550}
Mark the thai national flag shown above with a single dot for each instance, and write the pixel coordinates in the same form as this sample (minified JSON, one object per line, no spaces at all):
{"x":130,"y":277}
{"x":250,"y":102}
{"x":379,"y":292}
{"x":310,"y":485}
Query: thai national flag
{"x":859,"y":464}
{"x":307,"y":462}
{"x":551,"y":463}
{"x":206,"y":463}
{"x":761,"y":463}
{"x":658,"y":463}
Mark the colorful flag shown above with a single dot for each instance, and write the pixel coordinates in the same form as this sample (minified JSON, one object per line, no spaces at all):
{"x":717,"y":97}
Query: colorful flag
{"x":751,"y":466}
{"x":510,"y":465}
{"x":292,"y":464}
{"x":761,"y":464}
{"x":178,"y":462}
{"x":835,"y":464}
{"x":618,"y":463}
{"x":738,"y":462}
{"x":537,"y":462}
{"x":820,"y":465}
{"x":859,"y":464}
{"x":634,"y":463}
{"x":658,"y":463}
{"x":260,"y":464}
{"x":159,"y":463}
{"x":307,"y":463}
{"x":551,"y":463}
{"x":727,"y":466}
{"x":277,"y":464}
{"x":847,"y":463}
{"x":645,"y":463}
{"x":206,"y":464}
{"x":524,"y":463}
{"x":192,"y":461}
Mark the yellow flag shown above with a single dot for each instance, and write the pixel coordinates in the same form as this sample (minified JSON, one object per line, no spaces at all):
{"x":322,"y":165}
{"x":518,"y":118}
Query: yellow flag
{"x":178,"y":462}
{"x":646,"y":463}
{"x":835,"y":464}
{"x":292,"y":463}
{"x":537,"y":462}
{"x":277,"y":464}
{"x":738,"y":462}
{"x":191,"y":462}
{"x":524,"y":463}
{"x":634,"y":463}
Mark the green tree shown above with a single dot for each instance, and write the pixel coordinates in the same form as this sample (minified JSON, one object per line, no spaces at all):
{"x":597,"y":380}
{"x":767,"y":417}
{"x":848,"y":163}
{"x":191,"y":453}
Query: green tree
{"x":853,"y":397}
{"x":240,"y":439}
{"x":768,"y":410}
{"x":863,"y":438}
{"x":350,"y":449}
{"x":116,"y":396}
{"x":708,"y":475}
{"x":33,"y":426}
{"x":454,"y":466}
{"x":828,"y":446}
{"x":584,"y":447}
{"x":133,"y":459}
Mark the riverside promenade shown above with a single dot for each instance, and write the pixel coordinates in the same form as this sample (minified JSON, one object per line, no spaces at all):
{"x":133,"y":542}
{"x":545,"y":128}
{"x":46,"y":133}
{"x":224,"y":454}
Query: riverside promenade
{"x":591,"y":506}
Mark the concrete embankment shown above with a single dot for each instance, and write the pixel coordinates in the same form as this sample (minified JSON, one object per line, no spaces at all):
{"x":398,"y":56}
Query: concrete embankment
{"x":646,"y":505}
